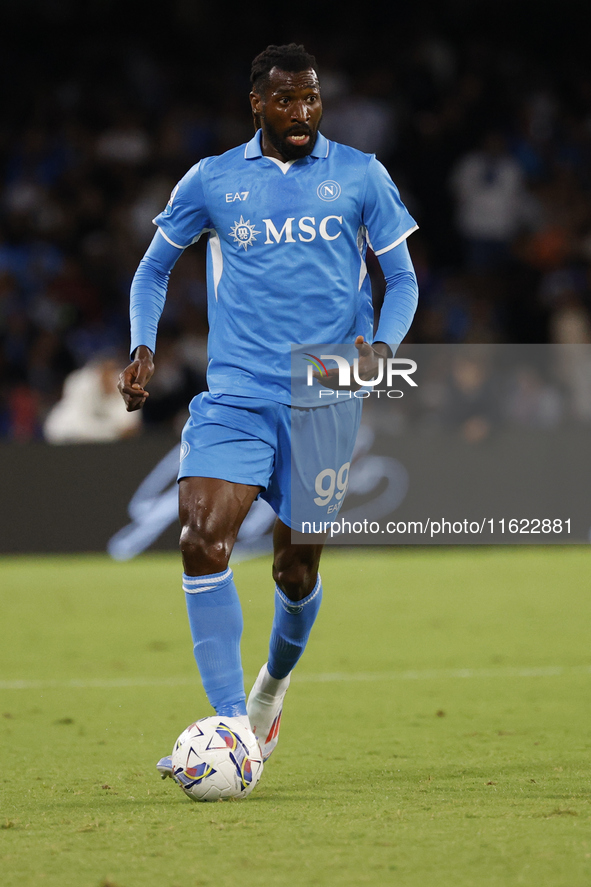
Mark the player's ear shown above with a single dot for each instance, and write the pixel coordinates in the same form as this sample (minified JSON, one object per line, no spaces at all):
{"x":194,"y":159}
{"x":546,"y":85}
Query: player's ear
{"x":255,"y":103}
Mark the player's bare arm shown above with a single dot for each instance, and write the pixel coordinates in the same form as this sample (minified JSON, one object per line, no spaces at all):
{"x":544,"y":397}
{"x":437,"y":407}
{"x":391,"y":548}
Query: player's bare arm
{"x":134,"y":378}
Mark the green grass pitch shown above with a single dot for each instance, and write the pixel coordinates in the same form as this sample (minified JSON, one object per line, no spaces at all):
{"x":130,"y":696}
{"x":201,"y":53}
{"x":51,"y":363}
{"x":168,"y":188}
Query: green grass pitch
{"x":438,"y":731}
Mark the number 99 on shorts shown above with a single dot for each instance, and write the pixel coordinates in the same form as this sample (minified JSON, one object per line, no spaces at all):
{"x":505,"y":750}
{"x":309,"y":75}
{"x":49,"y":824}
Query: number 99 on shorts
{"x":331,"y":485}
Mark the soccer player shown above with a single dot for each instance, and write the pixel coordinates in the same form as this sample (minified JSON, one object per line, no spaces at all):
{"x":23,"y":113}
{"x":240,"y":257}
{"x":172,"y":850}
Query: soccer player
{"x":288,"y":216}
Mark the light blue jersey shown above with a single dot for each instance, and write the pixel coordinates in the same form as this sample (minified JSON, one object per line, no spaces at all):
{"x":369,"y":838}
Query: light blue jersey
{"x":286,"y":255}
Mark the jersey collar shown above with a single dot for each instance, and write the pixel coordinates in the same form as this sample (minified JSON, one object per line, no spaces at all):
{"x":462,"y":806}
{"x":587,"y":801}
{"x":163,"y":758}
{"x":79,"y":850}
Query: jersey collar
{"x":253,"y":148}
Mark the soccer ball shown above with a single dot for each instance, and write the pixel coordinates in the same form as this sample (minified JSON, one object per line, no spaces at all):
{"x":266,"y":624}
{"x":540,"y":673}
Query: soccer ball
{"x":217,"y":758}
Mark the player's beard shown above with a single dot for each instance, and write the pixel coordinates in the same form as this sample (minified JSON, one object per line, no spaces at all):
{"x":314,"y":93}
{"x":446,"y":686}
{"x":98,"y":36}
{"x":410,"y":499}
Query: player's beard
{"x":287,"y":149}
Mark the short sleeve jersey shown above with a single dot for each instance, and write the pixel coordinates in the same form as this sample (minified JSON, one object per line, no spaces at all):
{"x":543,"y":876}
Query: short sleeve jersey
{"x":286,"y":254}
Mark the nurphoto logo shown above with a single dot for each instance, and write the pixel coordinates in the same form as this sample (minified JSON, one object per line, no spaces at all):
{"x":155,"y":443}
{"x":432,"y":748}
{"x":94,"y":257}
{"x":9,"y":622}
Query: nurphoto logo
{"x":388,"y":370}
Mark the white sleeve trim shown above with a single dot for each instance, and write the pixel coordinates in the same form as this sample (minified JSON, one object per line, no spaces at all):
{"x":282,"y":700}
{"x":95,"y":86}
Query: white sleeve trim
{"x":172,"y":243}
{"x":402,"y":237}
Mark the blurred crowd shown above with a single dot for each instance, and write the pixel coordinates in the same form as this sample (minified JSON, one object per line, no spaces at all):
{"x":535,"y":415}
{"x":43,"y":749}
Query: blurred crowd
{"x":489,"y":145}
{"x":478,"y":391}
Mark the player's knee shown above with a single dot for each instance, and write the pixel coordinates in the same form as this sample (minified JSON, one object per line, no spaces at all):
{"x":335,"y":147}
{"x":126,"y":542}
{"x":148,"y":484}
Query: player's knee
{"x":296,"y":580}
{"x":203,"y":554}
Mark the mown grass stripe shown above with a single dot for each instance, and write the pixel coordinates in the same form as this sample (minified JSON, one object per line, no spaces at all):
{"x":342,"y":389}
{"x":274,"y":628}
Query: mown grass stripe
{"x":321,"y":678}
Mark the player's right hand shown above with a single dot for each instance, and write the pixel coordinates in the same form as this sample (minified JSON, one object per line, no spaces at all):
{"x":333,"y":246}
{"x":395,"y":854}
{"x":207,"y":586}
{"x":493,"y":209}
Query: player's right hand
{"x":135,"y":377}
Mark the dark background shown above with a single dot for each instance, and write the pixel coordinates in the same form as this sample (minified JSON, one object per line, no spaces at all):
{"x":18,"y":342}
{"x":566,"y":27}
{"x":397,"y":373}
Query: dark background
{"x":106,"y":104}
{"x":76,"y":498}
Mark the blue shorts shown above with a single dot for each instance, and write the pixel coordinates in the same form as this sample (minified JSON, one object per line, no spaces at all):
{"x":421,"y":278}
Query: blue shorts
{"x":299,"y":457}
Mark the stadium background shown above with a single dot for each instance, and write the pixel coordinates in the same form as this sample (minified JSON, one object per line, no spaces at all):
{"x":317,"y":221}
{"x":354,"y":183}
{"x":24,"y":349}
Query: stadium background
{"x":438,"y":733}
{"x":107,"y":104}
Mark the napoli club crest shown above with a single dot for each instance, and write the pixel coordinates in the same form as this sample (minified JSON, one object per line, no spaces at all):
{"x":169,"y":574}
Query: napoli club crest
{"x":328,"y":190}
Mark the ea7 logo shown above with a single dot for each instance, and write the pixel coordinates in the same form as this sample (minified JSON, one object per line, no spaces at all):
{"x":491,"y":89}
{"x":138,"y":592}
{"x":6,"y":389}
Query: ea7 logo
{"x":329,"y":228}
{"x":236,"y":195}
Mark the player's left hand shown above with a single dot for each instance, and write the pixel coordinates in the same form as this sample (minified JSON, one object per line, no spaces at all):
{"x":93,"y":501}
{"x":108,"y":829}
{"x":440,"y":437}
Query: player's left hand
{"x":369,"y":356}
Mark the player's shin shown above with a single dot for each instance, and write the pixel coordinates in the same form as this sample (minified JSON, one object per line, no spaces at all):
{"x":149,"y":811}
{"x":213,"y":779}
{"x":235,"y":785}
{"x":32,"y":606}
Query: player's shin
{"x":215,"y":618}
{"x":291,"y":629}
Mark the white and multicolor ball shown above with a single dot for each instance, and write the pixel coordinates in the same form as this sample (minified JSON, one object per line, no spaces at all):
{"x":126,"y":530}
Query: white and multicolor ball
{"x":217,"y":758}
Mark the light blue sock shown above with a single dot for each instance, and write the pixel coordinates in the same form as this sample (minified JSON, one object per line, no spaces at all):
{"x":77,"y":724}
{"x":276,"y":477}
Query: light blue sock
{"x":291,"y":628}
{"x":215,"y":617}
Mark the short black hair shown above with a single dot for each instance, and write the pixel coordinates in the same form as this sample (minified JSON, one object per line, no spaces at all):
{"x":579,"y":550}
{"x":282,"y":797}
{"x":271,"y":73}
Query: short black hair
{"x":289,"y":57}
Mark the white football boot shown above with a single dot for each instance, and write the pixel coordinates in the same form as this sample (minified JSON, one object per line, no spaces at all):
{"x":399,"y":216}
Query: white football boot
{"x":264,"y":707}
